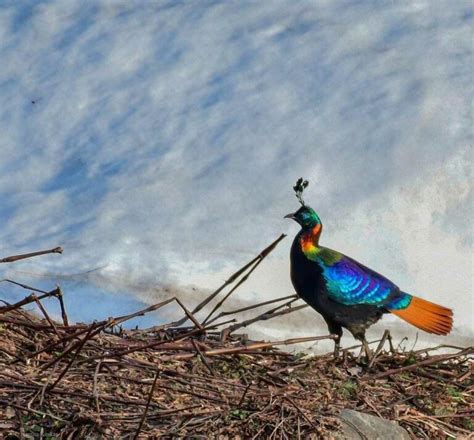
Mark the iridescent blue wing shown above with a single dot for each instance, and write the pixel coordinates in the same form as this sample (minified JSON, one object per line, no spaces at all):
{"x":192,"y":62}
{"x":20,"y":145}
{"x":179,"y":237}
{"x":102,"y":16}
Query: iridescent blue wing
{"x":349,"y":282}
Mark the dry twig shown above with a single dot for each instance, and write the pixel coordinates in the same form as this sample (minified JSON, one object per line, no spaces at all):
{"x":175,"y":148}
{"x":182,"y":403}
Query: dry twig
{"x":207,"y":381}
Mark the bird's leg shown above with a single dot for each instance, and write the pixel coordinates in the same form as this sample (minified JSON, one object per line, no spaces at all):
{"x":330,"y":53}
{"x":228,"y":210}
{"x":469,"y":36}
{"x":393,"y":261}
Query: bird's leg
{"x":335,"y":330}
{"x":365,"y":347}
{"x":337,"y":346}
{"x":368,"y":353}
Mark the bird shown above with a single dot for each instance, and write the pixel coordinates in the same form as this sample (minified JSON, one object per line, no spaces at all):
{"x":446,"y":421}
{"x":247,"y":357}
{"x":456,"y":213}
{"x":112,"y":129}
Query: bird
{"x":345,"y":292}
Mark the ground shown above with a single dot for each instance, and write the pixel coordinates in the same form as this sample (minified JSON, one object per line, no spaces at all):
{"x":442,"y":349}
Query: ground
{"x":100,"y":381}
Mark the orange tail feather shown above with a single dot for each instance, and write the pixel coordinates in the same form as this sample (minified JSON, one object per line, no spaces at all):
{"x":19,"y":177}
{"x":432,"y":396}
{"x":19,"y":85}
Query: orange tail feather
{"x":427,"y":316}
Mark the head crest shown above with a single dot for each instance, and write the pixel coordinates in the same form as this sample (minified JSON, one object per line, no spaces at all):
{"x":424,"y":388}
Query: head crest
{"x":299,"y":188}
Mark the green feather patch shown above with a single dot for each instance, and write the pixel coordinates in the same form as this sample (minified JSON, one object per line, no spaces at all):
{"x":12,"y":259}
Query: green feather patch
{"x":328,"y":256}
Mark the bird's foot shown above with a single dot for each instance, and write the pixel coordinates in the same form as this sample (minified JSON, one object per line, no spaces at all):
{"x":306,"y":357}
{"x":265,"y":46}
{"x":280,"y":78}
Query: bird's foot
{"x":337,"y":346}
{"x":365,"y":356}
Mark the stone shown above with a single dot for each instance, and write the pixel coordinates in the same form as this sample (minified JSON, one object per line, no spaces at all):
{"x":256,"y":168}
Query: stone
{"x":361,"y":426}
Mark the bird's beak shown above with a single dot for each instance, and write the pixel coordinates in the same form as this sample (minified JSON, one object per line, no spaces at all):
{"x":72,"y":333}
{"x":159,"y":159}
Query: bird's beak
{"x":292,"y":216}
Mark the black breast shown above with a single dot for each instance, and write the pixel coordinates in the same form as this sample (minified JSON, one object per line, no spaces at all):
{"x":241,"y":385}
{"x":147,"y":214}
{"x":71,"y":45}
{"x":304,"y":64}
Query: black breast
{"x":306,"y":275}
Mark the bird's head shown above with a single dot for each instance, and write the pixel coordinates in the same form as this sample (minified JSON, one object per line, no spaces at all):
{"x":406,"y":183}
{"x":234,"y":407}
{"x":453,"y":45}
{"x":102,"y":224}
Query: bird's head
{"x":306,"y":217}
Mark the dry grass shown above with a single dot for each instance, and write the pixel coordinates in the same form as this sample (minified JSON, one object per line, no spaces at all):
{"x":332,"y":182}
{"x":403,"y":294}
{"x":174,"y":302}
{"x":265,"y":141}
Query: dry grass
{"x":99,"y":381}
{"x":85,"y":382}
